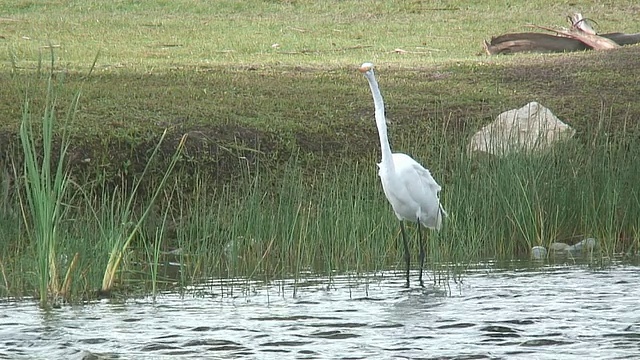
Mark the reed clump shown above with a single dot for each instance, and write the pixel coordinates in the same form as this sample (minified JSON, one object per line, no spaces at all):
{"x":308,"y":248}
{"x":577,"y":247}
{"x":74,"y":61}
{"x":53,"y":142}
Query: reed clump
{"x":271,"y":224}
{"x":45,"y":187}
{"x":47,"y":198}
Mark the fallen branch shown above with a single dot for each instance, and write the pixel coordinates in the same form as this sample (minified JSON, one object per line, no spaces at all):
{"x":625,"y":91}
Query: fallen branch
{"x":579,"y":37}
{"x":593,"y":41}
{"x":576,"y":20}
{"x":531,"y":42}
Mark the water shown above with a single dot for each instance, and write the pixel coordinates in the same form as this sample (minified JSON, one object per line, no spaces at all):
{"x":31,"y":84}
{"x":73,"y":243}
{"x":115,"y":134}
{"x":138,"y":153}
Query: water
{"x":546,"y":313}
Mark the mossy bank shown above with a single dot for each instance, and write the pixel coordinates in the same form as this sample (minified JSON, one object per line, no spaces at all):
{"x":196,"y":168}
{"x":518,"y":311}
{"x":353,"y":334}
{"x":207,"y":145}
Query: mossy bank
{"x":266,"y":114}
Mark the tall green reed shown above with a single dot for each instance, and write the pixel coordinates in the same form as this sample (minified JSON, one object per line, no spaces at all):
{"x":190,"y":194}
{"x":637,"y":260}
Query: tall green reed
{"x":105,"y":221}
{"x":303,"y":222}
{"x":45,"y":185}
{"x":118,"y":224}
{"x":11,"y":224}
{"x":153,"y":248}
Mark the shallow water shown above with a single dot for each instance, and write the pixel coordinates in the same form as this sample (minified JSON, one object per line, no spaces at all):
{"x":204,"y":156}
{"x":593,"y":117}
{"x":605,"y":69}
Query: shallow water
{"x":546,"y":313}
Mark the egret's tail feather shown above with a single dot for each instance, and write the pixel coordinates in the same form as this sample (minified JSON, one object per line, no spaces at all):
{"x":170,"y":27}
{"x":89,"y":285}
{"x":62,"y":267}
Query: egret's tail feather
{"x":443,"y":213}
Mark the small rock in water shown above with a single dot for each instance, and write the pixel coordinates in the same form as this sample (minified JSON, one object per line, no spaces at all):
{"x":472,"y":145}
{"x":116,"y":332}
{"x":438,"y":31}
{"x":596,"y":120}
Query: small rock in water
{"x":558,"y":247}
{"x":584,"y":245}
{"x":538,"y":252}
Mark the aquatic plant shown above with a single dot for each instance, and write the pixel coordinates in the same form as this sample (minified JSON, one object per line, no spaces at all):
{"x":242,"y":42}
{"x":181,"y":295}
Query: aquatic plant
{"x":119,"y":234}
{"x":50,"y":207}
{"x":46,"y":182}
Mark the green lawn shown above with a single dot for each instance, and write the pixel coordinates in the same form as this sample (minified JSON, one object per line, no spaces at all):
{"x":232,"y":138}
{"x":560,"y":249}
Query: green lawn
{"x":154,"y":36}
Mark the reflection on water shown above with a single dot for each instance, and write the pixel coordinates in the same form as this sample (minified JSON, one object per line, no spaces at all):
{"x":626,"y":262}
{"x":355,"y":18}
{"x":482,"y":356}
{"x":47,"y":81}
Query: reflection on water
{"x":549,"y":313}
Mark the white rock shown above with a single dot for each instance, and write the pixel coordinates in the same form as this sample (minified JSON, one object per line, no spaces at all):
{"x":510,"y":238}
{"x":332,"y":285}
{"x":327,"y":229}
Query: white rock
{"x":538,"y":252}
{"x":532,"y":127}
{"x":559,"y":247}
{"x":585,"y":245}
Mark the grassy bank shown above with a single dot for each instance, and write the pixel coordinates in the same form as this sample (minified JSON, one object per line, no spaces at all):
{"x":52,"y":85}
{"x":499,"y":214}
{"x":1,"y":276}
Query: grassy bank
{"x":293,"y":219}
{"x":325,"y":114}
{"x":209,"y":69}
{"x":277,"y":174}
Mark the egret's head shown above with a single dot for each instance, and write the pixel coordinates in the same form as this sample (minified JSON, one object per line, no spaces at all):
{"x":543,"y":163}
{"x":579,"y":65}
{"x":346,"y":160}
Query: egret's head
{"x":366,"y":67}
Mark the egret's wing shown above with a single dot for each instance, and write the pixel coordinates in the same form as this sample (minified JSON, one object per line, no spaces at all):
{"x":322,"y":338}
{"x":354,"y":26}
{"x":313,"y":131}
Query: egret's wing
{"x":426,"y":181}
{"x":423,"y":188}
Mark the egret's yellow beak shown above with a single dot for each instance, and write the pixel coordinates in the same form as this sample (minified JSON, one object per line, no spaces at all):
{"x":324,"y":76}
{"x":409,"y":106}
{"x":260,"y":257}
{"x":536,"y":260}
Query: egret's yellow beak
{"x":365,"y":67}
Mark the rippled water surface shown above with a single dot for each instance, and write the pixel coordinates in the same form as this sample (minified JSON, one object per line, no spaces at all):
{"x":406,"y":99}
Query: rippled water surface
{"x":549,"y":313}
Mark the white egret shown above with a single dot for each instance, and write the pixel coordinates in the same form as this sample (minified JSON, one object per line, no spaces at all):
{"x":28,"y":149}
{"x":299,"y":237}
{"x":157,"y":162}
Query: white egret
{"x":409,"y":187}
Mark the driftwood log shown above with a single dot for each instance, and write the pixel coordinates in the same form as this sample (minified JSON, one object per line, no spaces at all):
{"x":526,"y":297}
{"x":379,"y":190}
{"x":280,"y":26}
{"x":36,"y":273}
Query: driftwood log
{"x":579,"y":37}
{"x":546,"y":43}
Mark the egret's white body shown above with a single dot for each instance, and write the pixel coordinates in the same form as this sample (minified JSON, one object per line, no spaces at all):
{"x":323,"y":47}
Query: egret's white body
{"x":412,"y":191}
{"x":409,"y":187}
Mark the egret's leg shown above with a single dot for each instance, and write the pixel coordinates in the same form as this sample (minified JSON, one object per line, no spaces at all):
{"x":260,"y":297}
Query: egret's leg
{"x":422,"y":254}
{"x":407,"y":256}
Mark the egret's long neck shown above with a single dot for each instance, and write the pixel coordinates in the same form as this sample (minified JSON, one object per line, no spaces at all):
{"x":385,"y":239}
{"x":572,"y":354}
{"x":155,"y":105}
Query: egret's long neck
{"x":387,"y":159}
